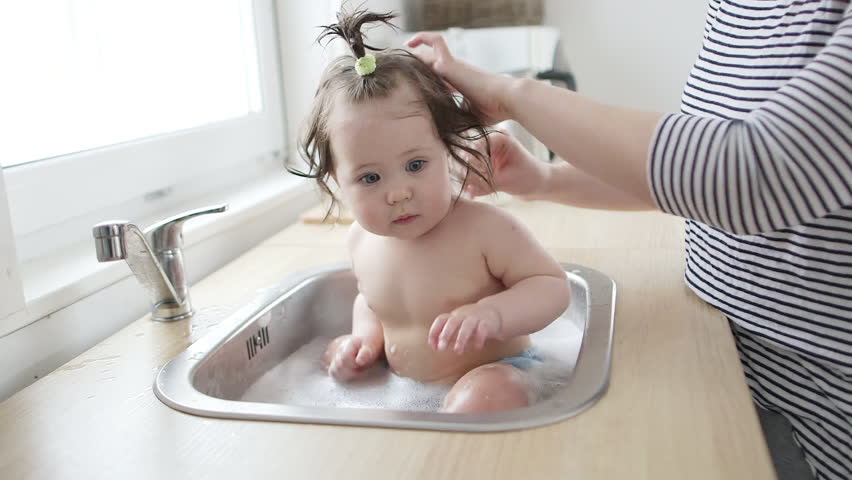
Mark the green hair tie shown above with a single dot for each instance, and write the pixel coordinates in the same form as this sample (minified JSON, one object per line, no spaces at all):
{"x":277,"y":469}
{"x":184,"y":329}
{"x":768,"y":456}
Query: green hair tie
{"x":365,"y":65}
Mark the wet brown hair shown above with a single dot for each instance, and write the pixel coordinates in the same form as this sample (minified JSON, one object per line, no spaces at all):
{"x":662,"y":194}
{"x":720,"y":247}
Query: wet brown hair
{"x":456,"y":122}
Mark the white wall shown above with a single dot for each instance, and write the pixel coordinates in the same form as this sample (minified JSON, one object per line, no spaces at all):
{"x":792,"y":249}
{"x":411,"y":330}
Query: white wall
{"x":623,"y":52}
{"x":303,"y":59}
{"x":630,"y":53}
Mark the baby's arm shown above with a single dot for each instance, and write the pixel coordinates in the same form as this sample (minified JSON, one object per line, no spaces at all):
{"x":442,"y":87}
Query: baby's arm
{"x":537,"y":290}
{"x":348,"y":356}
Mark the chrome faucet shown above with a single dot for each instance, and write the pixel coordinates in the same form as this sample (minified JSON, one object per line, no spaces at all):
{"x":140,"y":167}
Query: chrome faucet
{"x":154,"y":256}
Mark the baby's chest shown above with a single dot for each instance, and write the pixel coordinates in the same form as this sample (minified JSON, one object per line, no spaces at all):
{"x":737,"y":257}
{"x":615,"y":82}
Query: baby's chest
{"x":401,"y":287}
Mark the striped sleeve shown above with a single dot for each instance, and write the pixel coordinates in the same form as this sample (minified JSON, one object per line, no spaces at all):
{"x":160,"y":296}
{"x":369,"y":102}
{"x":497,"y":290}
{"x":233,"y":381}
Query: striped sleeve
{"x":783,"y":164}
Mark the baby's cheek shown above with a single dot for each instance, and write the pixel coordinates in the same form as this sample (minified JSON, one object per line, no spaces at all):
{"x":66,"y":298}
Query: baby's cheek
{"x":368,"y":218}
{"x":356,"y":204}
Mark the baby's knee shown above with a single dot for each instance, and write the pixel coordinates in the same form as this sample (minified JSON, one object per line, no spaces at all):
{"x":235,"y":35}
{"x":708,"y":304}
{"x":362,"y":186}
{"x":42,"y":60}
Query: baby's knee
{"x":489,"y":388}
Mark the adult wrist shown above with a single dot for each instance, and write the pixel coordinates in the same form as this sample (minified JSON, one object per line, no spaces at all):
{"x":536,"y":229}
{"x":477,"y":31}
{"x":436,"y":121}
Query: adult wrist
{"x":543,"y":186}
{"x":512,"y":92}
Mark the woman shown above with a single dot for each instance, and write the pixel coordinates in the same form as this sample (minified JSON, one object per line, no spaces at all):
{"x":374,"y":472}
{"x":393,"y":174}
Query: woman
{"x":759,"y":162}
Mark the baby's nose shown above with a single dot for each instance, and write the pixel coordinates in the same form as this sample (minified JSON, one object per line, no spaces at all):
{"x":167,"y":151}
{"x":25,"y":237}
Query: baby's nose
{"x":399,"y":195}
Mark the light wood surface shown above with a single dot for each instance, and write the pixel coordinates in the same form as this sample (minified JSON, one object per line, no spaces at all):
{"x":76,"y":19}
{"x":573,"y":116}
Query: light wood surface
{"x":677,"y":405}
{"x":321,"y":214}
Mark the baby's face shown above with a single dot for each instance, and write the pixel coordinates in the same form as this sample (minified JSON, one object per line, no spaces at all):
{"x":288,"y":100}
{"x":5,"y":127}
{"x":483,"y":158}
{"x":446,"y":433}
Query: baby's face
{"x":391,"y":167}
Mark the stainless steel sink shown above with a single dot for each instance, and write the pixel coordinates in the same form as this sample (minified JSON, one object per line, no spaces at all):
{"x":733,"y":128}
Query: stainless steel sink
{"x":232,"y":372}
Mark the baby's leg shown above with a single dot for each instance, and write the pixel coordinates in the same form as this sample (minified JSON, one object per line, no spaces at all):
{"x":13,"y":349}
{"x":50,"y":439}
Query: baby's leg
{"x":489,"y":388}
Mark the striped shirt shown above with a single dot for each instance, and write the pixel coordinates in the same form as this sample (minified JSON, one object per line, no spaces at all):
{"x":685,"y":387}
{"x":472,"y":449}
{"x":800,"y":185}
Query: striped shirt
{"x":760,"y":163}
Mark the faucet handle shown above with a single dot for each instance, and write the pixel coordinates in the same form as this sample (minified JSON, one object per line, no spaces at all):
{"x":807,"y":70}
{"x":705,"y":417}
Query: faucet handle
{"x":168,"y":234}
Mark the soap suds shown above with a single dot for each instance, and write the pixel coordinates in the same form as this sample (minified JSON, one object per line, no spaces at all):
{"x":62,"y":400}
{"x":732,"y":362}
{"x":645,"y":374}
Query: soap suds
{"x":301,"y":380}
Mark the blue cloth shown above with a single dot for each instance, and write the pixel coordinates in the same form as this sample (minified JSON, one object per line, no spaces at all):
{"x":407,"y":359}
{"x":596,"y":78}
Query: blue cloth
{"x":524,"y":360}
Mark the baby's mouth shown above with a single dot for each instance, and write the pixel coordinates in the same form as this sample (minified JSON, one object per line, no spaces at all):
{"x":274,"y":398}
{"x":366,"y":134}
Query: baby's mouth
{"x":403,"y":219}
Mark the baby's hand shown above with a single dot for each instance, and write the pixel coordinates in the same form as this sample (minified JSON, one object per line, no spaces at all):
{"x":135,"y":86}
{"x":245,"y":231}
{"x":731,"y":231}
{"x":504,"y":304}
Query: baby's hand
{"x":468,"y":325}
{"x":348,"y":356}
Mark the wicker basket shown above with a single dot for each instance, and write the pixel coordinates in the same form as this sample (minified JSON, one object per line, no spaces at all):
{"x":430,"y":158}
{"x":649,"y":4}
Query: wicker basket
{"x":443,"y":14}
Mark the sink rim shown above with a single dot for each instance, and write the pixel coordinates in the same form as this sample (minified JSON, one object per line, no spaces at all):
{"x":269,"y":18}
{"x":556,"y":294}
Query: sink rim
{"x":590,"y":378}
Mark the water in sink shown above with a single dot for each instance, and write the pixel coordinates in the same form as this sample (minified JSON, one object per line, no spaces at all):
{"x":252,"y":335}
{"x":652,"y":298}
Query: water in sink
{"x":301,"y":380}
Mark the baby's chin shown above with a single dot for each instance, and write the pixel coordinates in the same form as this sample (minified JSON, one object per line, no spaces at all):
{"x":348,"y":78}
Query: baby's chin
{"x":405,"y":231}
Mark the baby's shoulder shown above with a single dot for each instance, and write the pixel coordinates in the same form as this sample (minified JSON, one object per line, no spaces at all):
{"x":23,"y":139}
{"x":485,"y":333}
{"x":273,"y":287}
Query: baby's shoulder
{"x":481,"y":215}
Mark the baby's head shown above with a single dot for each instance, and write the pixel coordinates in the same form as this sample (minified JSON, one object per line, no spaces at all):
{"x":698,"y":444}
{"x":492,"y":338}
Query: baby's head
{"x":390,"y":138}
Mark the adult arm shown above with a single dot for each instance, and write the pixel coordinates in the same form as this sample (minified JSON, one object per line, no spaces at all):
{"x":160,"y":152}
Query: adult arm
{"x":516,"y":171}
{"x":784,"y":164}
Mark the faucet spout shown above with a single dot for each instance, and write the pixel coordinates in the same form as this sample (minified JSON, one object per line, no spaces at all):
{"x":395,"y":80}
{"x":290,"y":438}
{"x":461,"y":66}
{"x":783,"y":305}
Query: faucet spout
{"x":155,"y":257}
{"x":121,"y":240}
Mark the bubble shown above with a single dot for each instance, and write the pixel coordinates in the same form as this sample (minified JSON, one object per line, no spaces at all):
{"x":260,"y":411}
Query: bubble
{"x":301,"y":379}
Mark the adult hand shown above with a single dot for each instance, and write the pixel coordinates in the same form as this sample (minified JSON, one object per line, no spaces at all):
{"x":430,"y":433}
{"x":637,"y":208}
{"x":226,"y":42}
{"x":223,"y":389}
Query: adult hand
{"x":348,"y":356}
{"x":480,"y":88}
{"x":467,"y":326}
{"x":514,"y":169}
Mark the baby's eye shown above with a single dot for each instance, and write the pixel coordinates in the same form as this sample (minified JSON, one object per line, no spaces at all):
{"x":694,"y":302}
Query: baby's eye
{"x":370,"y":178}
{"x":415,"y":165}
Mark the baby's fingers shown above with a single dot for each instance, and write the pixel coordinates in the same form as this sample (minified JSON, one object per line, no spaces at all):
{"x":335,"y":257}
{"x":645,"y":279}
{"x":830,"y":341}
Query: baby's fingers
{"x":448,"y":334}
{"x":435,"y":330}
{"x":365,"y":356}
{"x":349,"y":349}
{"x":343,"y":362}
{"x":480,"y":336}
{"x":466,"y":330}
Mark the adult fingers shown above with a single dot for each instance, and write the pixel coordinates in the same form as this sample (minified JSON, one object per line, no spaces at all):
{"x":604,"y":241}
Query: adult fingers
{"x":430,"y":39}
{"x":475,"y":189}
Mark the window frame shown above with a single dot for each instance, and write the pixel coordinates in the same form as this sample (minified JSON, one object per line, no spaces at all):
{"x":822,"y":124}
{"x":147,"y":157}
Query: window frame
{"x":11,"y":291}
{"x":92,"y":180}
{"x":246,"y":152}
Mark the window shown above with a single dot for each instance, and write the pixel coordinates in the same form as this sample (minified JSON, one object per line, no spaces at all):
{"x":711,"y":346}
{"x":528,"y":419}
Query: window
{"x":121,"y":105}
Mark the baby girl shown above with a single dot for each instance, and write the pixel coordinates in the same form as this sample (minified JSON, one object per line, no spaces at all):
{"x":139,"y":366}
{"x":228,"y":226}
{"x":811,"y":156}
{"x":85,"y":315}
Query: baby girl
{"x":448,"y":288}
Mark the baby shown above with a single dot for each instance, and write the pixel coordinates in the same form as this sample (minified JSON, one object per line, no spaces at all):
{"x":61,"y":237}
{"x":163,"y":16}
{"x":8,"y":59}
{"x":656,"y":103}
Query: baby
{"x":448,"y":288}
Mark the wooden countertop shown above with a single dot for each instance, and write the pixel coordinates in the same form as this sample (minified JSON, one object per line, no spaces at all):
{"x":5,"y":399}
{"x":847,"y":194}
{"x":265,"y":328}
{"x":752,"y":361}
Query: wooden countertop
{"x":677,"y":406}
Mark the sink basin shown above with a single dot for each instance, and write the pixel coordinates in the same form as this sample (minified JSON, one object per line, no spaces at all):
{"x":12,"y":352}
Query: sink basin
{"x":262,"y":363}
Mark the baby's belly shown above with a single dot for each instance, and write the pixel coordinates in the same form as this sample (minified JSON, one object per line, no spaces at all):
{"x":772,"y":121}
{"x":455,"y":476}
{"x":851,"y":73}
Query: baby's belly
{"x":410,"y":355}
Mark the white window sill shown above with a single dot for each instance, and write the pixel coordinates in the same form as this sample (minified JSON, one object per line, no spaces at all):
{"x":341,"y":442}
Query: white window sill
{"x":58,"y":280}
